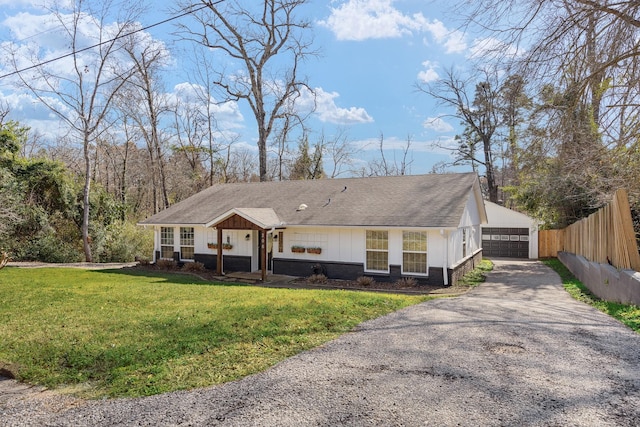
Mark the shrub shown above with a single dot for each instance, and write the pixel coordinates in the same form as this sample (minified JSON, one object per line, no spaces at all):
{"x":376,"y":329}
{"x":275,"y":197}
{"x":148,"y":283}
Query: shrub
{"x":406,"y":282}
{"x":121,"y":242}
{"x":365,"y":281}
{"x":317,"y":278}
{"x":48,"y":247}
{"x":193,"y":266}
{"x":143,"y":261}
{"x":167,"y":264}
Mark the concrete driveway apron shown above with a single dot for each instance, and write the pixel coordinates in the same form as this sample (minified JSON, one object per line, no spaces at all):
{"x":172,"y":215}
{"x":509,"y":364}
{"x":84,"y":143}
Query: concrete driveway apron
{"x":515,"y":351}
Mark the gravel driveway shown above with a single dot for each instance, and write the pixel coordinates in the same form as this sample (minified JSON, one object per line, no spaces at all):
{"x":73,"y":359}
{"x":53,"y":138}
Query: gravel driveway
{"x":515,"y":351}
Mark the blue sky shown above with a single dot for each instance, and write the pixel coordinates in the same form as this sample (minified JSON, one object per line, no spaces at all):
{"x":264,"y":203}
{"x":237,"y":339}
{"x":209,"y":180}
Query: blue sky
{"x":372,"y":54}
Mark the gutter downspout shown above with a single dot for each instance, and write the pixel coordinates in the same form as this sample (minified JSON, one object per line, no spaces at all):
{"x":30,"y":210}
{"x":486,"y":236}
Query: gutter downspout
{"x":156,"y":240}
{"x":445,"y":263}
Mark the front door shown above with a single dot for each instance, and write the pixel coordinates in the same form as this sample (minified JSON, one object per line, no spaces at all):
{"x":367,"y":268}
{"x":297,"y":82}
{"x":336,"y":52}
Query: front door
{"x":269,"y":250}
{"x":256,"y":265}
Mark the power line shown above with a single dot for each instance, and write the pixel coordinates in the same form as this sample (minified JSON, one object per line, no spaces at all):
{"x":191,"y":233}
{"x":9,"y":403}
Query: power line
{"x":102,"y":42}
{"x":57,"y":27}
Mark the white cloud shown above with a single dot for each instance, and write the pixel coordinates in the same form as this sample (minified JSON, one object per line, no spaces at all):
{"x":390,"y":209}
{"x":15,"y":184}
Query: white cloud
{"x":455,"y":43}
{"x":27,"y":110}
{"x":369,"y":19}
{"x":442,"y":145}
{"x":429,"y":74}
{"x":226,"y":114}
{"x":327,"y":111}
{"x":20,"y":3}
{"x":452,"y":40}
{"x":376,"y":19}
{"x":437,"y":124}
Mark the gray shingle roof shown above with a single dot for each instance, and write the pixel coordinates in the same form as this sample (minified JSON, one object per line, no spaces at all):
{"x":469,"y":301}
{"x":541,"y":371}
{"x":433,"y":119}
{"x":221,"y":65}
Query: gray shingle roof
{"x":412,"y":201}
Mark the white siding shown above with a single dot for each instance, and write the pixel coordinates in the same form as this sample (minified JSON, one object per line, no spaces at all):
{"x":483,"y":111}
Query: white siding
{"x":338,"y":244}
{"x":349,"y":245}
{"x":499,"y":216}
{"x":470,"y":221}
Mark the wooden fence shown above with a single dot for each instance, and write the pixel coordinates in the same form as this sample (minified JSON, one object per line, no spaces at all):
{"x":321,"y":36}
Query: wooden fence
{"x":550,"y":242}
{"x":606,"y":236}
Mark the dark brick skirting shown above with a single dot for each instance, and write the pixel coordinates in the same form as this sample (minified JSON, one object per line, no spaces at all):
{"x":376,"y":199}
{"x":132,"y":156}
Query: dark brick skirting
{"x":349,"y":271}
{"x":229,"y":262}
{"x":463,"y":267}
{"x":304,"y":268}
{"x":333,"y":270}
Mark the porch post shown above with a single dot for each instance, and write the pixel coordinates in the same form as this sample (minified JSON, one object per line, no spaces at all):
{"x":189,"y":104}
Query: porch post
{"x":219,"y":255}
{"x":263,"y":254}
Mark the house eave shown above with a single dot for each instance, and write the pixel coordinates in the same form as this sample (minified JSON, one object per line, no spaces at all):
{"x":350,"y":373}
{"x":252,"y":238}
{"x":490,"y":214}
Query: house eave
{"x":249,"y":214}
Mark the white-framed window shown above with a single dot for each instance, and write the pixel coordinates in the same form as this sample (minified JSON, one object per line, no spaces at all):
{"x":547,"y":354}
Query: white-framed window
{"x":465,"y":236}
{"x":414,"y":252}
{"x":166,"y":242}
{"x":187,"y":243}
{"x":377,"y":248}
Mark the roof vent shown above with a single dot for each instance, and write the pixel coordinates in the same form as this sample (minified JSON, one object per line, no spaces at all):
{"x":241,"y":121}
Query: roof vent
{"x":302,"y":207}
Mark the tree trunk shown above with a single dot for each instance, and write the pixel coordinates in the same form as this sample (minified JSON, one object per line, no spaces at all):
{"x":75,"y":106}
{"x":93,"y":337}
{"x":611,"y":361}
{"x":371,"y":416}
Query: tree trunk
{"x":491,"y":179}
{"x":262,"y":155}
{"x":123,"y":182}
{"x":86,"y":241}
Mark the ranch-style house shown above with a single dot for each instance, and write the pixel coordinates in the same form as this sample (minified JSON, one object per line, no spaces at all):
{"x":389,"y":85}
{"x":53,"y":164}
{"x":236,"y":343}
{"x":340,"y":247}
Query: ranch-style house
{"x":422,"y":226}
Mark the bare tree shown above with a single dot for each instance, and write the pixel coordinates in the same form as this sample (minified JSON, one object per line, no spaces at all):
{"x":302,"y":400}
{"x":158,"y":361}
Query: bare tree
{"x":144,"y":101}
{"x":258,"y":37}
{"x":385,"y":167}
{"x":203,"y":86}
{"x":83,"y":97}
{"x":339,"y":151}
{"x":290,"y":121}
{"x":4,"y":111}
{"x":192,"y":135}
{"x":480,"y":115}
{"x":240,"y":166}
{"x":590,"y":48}
{"x":226,"y":162}
{"x":583,"y":57}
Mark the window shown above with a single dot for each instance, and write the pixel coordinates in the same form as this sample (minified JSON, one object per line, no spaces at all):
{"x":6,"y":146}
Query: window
{"x":166,"y":242}
{"x":377,"y":251}
{"x":186,"y":243}
{"x":464,"y":242}
{"x":414,"y":252}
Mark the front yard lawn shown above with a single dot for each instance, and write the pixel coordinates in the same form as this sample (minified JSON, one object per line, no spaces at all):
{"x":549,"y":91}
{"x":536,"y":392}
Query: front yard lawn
{"x":115,"y":333}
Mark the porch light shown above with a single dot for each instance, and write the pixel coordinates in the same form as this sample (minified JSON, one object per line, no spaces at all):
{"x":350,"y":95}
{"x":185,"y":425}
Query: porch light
{"x":247,"y":237}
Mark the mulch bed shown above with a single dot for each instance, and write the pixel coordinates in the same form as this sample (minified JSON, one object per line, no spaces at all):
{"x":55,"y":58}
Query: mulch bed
{"x":310,"y":283}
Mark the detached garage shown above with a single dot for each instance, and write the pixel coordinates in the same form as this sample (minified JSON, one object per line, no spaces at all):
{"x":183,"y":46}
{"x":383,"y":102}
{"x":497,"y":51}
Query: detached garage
{"x":509,"y":234}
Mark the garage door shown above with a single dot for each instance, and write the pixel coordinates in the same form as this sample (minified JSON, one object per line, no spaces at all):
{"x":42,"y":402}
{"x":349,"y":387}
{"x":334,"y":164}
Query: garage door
{"x":505,"y":242}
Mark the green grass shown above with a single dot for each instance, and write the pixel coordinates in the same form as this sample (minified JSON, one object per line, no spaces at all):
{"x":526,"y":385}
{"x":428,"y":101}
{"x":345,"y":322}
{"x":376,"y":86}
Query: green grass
{"x":113,"y":333}
{"x":627,"y":314}
{"x":477,"y":275}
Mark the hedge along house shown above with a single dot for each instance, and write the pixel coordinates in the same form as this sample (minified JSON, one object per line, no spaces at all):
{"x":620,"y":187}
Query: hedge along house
{"x":422,"y":226}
